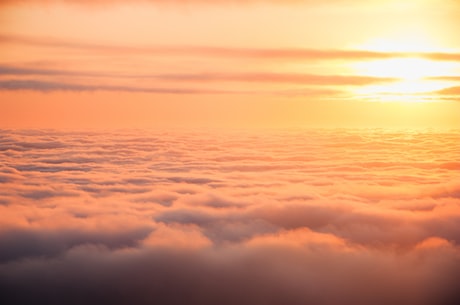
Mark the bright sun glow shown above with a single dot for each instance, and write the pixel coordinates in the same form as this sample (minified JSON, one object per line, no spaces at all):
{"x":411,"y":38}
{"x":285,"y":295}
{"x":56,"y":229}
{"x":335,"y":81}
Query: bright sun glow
{"x":406,"y":90}
{"x":412,"y":83}
{"x":411,"y":74}
{"x":404,"y":68}
{"x":402,"y":44}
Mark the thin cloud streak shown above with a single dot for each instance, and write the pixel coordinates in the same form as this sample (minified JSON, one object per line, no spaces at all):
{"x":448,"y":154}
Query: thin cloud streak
{"x":13,"y":70}
{"x":182,"y":2}
{"x":450,"y":91}
{"x":253,"y":53}
{"x":45,"y":86}
{"x":292,"y":78}
{"x":447,"y":77}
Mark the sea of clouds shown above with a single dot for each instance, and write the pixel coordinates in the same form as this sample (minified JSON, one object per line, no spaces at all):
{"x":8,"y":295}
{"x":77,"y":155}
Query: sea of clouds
{"x":318,"y":217}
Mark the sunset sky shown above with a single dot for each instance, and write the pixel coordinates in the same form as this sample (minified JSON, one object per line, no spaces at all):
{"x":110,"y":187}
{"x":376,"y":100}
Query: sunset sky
{"x":230,"y":152}
{"x":230,"y":63}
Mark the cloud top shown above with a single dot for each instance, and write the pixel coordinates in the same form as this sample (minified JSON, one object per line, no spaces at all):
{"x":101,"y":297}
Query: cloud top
{"x":328,"y":217}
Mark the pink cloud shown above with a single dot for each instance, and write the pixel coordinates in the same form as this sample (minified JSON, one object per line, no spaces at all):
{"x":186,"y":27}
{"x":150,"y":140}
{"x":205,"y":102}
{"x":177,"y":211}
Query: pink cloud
{"x":204,"y":217}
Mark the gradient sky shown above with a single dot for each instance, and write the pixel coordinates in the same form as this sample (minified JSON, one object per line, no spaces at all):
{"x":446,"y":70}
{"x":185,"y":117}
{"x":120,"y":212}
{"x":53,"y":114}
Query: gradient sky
{"x":229,"y":63}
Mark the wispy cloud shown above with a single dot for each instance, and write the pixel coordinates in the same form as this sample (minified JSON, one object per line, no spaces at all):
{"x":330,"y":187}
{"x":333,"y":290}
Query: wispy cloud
{"x":187,"y":2}
{"x":253,"y":53}
{"x":13,"y":70}
{"x":290,"y":78}
{"x":45,"y":86}
{"x":451,"y":92}
{"x":447,"y":77}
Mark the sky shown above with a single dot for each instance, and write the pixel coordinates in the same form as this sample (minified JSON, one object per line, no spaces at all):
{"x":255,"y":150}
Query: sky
{"x":229,"y":63}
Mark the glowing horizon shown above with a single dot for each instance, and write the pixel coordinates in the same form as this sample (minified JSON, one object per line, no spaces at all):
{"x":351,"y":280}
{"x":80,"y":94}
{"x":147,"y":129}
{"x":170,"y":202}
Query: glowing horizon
{"x":234,"y":152}
{"x":299,"y":53}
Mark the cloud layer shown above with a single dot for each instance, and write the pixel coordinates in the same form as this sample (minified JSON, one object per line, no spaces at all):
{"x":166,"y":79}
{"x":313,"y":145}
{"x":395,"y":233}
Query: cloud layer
{"x":281,"y":217}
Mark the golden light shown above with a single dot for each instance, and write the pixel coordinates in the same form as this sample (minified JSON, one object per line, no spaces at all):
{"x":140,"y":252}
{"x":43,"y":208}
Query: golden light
{"x":404,"y":68}
{"x":411,"y":74}
{"x":411,"y":40}
{"x":402,"y":91}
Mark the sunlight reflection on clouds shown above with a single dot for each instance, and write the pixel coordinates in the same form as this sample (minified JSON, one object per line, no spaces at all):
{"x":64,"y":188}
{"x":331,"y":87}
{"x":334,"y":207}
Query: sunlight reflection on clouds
{"x":232,"y":217}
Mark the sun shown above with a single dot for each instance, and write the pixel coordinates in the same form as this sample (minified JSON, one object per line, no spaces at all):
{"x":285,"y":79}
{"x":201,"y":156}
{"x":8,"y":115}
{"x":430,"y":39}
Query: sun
{"x":412,"y":75}
{"x":412,"y":79}
{"x":406,"y":68}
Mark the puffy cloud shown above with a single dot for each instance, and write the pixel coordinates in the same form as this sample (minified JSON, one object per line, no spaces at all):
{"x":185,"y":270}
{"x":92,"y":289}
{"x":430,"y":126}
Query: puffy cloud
{"x":20,"y":243}
{"x":298,"y":268}
{"x":281,"y":217}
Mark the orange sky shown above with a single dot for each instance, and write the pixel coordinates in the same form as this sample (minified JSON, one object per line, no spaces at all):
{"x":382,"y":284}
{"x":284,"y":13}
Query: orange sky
{"x":165,"y":151}
{"x":229,"y":64}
